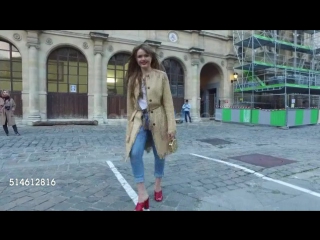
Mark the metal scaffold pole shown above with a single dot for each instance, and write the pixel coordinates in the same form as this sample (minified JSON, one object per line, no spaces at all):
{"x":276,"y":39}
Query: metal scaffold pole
{"x":252,"y":73}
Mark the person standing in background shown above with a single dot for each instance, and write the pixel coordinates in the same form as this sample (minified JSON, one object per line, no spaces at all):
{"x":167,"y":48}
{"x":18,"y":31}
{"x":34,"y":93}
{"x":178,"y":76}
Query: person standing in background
{"x":7,"y":108}
{"x":186,"y":108}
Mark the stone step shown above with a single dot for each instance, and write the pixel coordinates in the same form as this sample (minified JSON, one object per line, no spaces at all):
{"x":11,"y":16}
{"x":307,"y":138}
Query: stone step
{"x":74,"y":122}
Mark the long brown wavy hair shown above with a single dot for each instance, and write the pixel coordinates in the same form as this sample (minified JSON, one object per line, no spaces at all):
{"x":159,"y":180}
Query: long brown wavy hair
{"x":134,"y":70}
{"x":4,"y":90}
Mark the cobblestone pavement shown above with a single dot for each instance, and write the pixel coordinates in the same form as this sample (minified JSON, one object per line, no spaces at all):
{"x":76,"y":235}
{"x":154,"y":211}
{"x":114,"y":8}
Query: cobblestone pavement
{"x":66,"y":169}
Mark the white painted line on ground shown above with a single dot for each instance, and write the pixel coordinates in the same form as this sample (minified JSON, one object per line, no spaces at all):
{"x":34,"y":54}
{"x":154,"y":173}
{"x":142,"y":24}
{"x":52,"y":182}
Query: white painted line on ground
{"x":260,"y":175}
{"x":132,"y":194}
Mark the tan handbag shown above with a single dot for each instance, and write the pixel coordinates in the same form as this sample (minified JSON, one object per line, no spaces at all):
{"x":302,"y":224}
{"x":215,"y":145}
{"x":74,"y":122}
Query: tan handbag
{"x":173,"y":145}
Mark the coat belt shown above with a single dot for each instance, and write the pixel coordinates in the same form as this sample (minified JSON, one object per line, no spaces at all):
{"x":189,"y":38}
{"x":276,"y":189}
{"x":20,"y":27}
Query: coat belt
{"x":143,"y":111}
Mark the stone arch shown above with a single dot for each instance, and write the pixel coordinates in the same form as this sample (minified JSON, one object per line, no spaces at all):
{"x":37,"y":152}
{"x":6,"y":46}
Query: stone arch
{"x":118,"y":52}
{"x":11,"y":72}
{"x":211,"y":88}
{"x":10,"y":41}
{"x":67,"y":83}
{"x":216,"y":65}
{"x":185,"y":69}
{"x":64,"y":45}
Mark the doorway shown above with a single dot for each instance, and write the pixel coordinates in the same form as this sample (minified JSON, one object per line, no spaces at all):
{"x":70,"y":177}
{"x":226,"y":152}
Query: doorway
{"x":210,"y":88}
{"x":67,"y":84}
{"x":211,"y":101}
{"x":208,"y":102}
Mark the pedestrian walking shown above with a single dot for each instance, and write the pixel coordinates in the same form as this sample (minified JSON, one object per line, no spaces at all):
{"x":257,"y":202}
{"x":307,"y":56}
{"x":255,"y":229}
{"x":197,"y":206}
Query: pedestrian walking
{"x":7,"y":108}
{"x":151,"y":120}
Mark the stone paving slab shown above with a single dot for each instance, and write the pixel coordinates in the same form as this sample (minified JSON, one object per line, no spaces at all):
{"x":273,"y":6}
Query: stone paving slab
{"x":261,"y":196}
{"x":76,"y":157}
{"x":77,"y":187}
{"x":197,"y":184}
{"x":185,"y":181}
{"x":88,"y":143}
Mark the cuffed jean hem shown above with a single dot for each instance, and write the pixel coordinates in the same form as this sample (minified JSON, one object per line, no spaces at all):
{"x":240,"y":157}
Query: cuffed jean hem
{"x":136,"y":156}
{"x":157,"y":175}
{"x":139,"y":180}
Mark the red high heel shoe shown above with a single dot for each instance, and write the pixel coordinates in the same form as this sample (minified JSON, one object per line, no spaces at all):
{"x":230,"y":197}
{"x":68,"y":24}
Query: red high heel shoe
{"x":158,"y":196}
{"x":142,"y":205}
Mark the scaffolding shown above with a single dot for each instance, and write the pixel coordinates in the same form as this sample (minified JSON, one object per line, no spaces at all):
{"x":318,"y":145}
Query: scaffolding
{"x":273,"y":63}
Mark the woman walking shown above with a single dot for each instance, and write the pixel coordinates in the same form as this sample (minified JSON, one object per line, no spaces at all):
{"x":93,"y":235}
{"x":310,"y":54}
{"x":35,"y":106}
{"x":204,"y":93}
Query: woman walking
{"x":7,"y":108}
{"x":151,"y":120}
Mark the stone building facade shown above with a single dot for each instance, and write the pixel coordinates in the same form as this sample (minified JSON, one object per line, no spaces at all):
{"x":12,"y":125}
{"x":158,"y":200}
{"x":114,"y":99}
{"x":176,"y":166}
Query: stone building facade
{"x":79,"y":74}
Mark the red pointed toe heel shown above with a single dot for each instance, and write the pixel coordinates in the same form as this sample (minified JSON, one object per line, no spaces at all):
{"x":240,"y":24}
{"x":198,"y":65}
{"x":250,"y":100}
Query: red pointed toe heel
{"x":158,"y":196}
{"x":142,"y":206}
{"x":146,"y":204}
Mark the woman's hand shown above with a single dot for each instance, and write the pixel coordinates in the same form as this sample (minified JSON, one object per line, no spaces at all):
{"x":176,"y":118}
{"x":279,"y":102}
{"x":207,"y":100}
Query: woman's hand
{"x":171,"y":136}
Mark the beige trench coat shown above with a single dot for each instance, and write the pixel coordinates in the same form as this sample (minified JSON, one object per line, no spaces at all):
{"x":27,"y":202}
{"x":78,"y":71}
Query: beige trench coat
{"x":161,"y":114}
{"x":7,"y":114}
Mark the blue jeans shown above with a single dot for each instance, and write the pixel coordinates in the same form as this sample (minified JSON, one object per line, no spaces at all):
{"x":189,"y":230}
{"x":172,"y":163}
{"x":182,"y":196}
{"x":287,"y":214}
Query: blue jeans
{"x":187,"y":114}
{"x":136,"y":155}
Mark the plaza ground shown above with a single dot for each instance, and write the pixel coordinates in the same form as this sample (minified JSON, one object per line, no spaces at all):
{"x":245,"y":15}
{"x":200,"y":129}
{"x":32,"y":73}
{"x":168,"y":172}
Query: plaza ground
{"x":86,"y":163}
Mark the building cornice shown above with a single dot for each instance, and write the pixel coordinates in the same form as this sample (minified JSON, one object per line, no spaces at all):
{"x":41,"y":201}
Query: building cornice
{"x":134,"y":42}
{"x":196,"y":50}
{"x":166,"y":47}
{"x":153,"y":43}
{"x":214,"y":35}
{"x":87,"y":36}
{"x":99,"y":35}
{"x":67,"y":33}
{"x":209,"y":34}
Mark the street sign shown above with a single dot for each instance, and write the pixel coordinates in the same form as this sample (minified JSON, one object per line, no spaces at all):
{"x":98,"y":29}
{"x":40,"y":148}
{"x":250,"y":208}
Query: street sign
{"x":73,"y":88}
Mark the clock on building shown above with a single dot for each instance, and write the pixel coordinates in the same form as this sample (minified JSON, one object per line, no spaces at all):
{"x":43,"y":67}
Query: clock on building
{"x":173,"y":37}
